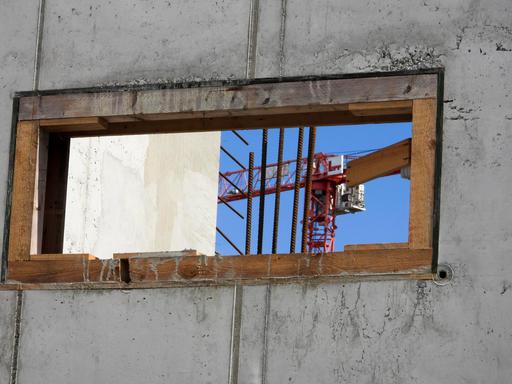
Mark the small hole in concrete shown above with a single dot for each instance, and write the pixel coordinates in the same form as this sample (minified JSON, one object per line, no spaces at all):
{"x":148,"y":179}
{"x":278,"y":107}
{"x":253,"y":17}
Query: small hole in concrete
{"x":444,"y":274}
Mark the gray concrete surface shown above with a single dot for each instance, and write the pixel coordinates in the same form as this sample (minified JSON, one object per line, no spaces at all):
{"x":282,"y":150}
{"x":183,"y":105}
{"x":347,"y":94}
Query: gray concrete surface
{"x":379,"y":332}
{"x":7,"y":333}
{"x":18,"y":23}
{"x":97,"y":42}
{"x":142,"y":336}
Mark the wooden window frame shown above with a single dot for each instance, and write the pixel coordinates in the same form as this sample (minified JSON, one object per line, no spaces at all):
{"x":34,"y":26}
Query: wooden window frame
{"x":49,"y":119}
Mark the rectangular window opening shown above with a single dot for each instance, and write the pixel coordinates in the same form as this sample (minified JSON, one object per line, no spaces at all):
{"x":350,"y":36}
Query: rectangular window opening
{"x":110,"y":192}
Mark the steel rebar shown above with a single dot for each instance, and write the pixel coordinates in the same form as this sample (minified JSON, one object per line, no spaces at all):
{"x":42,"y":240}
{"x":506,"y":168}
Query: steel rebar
{"x":307,"y":192}
{"x":232,"y":157}
{"x":298,"y":175}
{"x":226,"y":203}
{"x":228,"y":240}
{"x":240,"y":137}
{"x":277,"y":203}
{"x":263,"y":181}
{"x":248,"y":223}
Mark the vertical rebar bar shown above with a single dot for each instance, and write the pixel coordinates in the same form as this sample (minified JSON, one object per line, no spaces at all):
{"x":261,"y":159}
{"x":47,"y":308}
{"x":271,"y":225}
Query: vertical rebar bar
{"x":248,"y":223}
{"x":278,"y":190}
{"x":307,"y":191}
{"x":263,"y":181}
{"x":298,"y":175}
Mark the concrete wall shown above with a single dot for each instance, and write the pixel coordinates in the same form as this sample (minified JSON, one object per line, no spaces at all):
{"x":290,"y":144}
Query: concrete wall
{"x":368,"y":332}
{"x":142,"y":193}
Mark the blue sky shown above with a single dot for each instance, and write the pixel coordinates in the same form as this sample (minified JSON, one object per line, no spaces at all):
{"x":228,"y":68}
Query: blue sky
{"x":387,"y":199}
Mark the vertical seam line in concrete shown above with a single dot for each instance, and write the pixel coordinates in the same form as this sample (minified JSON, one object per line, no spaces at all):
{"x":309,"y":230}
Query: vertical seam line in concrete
{"x":252,"y":39}
{"x":39,"y":40}
{"x":264,"y":358}
{"x":282,"y":35}
{"x":16,"y":336}
{"x":236,"y":324}
{"x":236,"y":321}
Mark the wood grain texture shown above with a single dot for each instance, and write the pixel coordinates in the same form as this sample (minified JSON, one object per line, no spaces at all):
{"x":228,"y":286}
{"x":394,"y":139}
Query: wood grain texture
{"x":75,"y":124}
{"x":74,"y":270}
{"x":24,"y":180}
{"x":422,"y":173}
{"x":360,"y":247}
{"x":280,"y":266}
{"x":48,"y":271}
{"x":379,"y":163}
{"x":381,"y":108}
{"x":185,"y":252}
{"x":229,"y":99}
{"x":62,"y":256}
{"x":39,"y":195}
{"x":240,"y":123}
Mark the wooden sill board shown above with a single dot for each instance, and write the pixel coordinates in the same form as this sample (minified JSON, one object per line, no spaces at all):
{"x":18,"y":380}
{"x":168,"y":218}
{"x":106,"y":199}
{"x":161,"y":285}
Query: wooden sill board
{"x":74,"y":270}
{"x":279,"y":265}
{"x":219,"y":269}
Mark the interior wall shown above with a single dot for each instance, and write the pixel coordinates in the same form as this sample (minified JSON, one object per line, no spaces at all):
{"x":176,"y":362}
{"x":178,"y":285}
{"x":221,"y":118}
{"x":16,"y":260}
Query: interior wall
{"x":374,"y":332}
{"x":143,"y":193}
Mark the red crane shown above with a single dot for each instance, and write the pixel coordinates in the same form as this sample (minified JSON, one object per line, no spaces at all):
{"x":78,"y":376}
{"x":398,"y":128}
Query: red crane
{"x":330,"y":196}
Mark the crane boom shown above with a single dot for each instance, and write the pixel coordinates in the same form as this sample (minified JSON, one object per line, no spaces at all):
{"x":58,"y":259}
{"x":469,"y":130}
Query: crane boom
{"x":332,"y":193}
{"x":328,"y":175}
{"x":233,"y":185}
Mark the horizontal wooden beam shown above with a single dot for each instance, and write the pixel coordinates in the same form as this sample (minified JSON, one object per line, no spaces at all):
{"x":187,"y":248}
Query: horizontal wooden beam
{"x":380,"y":108}
{"x":380,"y":163}
{"x":228,"y":99}
{"x":239,"y":123}
{"x":82,"y":268}
{"x":279,"y":266}
{"x":76,"y":124}
{"x":63,"y":256}
{"x":185,"y":252}
{"x":74,"y":270}
{"x":364,"y":247}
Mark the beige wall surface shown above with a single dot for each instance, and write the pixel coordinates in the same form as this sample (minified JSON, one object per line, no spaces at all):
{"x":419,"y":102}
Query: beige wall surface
{"x":142,"y":194}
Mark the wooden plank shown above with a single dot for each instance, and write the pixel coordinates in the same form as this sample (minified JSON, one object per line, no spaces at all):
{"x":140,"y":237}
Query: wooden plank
{"x":74,"y":270}
{"x":24,"y":178}
{"x":381,"y":108}
{"x":55,"y":194}
{"x":48,"y":271}
{"x":361,"y":247}
{"x":229,"y":98}
{"x":185,"y":252}
{"x":62,"y":256}
{"x":104,"y":271}
{"x":242,"y":122}
{"x":422,"y":173}
{"x":74,"y":124}
{"x":380,"y":163}
{"x":279,"y":266}
{"x":39,"y":193}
